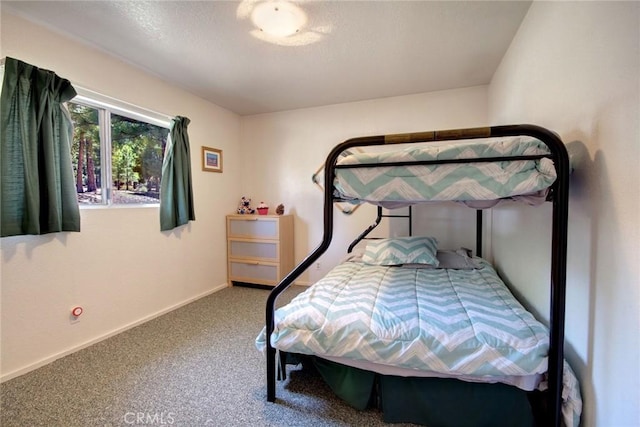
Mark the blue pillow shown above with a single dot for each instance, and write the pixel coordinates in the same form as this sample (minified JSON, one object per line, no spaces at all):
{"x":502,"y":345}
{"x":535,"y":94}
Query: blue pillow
{"x":402,"y":250}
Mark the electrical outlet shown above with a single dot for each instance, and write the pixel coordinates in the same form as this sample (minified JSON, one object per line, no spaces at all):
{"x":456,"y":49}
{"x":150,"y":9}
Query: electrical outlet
{"x":317,"y":266}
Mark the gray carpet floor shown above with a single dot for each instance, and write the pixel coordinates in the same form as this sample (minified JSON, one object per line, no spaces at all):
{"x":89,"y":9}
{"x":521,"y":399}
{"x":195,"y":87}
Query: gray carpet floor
{"x":195,"y":366}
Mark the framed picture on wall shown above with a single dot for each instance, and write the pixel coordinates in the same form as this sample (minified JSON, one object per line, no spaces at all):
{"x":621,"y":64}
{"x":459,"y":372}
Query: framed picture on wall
{"x":211,"y":159}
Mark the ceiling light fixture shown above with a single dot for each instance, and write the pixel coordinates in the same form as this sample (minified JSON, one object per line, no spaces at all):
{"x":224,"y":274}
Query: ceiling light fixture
{"x":278,"y":18}
{"x":281,"y":22}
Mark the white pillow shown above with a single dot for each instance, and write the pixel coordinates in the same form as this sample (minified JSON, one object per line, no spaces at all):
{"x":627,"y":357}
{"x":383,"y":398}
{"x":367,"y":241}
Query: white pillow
{"x":402,"y":250}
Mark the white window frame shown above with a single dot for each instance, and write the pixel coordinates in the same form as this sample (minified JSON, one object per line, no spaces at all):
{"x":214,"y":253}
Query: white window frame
{"x":107,"y":105}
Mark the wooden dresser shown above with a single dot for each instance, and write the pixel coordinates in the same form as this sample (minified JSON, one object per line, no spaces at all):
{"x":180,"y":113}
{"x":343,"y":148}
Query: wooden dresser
{"x":259,"y":248}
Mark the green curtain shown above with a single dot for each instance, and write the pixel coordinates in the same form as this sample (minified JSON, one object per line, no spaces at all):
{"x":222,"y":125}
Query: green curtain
{"x":176,"y":195}
{"x":37,"y":191}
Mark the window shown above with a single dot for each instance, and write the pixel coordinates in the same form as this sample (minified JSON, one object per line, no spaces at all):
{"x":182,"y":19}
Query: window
{"x":116,"y":154}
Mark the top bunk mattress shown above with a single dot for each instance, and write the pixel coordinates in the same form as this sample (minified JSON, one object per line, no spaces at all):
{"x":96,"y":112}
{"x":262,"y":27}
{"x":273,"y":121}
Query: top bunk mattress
{"x":483,"y":182}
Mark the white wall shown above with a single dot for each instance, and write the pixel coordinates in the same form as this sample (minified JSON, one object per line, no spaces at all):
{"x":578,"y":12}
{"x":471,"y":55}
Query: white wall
{"x":574,"y":67}
{"x":120,"y":267}
{"x":283,"y":150}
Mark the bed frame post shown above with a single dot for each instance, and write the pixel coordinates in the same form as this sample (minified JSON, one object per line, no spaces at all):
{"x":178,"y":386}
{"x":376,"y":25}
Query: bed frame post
{"x":560,"y":197}
{"x":558,"y":281}
{"x":329,"y":175}
{"x":479,"y":232}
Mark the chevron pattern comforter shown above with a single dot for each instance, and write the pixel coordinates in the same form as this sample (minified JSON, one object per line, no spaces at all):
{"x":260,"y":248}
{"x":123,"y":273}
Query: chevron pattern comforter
{"x":462,"y":322}
{"x":393,"y":186}
{"x":457,"y":322}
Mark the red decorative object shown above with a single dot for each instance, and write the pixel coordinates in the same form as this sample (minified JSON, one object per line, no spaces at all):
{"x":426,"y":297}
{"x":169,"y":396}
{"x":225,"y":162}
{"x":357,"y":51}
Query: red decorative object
{"x":263,"y":209}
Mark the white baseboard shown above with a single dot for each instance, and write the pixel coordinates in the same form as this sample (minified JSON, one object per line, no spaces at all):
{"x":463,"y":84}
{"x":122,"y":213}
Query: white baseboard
{"x":52,"y":358}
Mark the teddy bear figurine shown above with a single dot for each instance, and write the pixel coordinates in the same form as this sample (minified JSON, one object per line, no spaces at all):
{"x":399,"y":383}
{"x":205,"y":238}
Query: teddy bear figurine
{"x":245,"y":206}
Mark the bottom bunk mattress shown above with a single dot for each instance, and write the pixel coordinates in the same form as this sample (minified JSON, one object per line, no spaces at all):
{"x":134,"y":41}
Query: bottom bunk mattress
{"x":462,"y":323}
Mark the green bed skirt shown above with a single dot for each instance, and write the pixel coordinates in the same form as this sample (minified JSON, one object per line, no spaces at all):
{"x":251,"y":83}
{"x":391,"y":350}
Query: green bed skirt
{"x":435,"y":402}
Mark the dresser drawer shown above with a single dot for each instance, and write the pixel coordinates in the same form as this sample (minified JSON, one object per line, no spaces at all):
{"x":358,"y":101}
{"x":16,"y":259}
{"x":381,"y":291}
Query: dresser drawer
{"x":255,"y":249}
{"x":253,"y":226}
{"x":253,"y":272}
{"x":259,"y":248}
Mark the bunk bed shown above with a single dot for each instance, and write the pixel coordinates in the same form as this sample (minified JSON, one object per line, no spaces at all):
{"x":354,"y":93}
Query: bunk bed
{"x":391,"y":329}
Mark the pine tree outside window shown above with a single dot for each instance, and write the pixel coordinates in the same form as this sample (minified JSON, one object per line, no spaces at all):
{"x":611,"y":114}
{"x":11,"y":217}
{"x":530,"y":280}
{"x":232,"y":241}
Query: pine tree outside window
{"x":117,"y":154}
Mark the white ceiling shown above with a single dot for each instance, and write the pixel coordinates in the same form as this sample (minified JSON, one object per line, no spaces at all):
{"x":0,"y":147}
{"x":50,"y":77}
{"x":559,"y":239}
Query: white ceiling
{"x":365,"y":49}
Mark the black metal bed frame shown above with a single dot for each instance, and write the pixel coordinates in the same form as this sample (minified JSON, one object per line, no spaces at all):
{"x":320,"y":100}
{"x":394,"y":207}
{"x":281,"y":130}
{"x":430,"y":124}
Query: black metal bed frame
{"x":559,"y":196}
{"x":379,"y":217}
{"x":409,"y":217}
